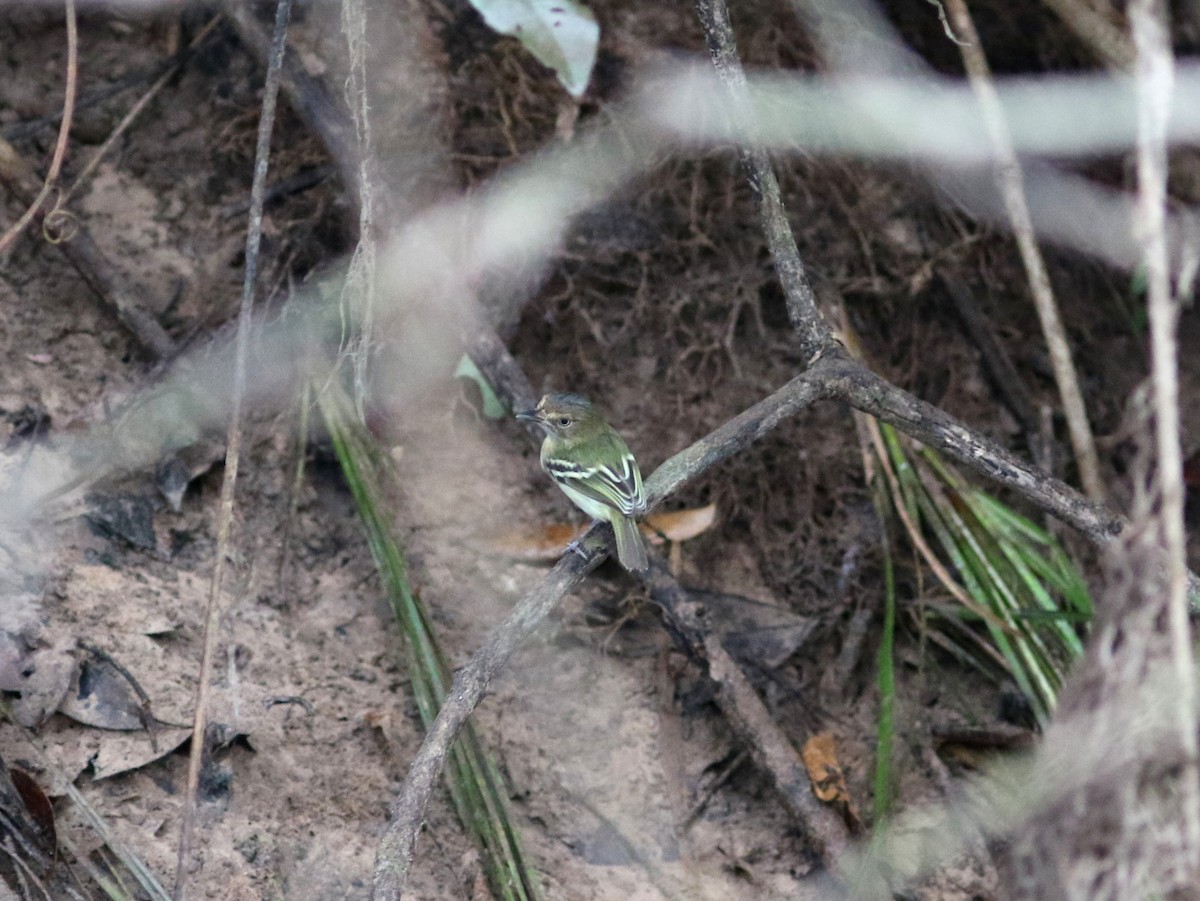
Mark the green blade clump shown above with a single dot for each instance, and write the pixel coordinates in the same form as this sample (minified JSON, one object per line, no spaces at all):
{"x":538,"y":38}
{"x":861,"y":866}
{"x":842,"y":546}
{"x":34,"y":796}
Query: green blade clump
{"x":1015,"y":583}
{"x":476,"y":787}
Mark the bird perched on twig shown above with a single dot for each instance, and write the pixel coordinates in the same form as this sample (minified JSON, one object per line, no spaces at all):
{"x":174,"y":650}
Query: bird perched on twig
{"x":591,"y":463}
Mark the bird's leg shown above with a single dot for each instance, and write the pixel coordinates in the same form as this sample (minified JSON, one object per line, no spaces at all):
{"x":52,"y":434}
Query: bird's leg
{"x":577,"y":544}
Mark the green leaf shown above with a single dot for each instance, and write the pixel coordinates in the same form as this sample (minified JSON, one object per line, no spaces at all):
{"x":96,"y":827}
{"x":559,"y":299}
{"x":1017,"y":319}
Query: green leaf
{"x":492,"y":408}
{"x":1139,"y":281}
{"x":561,"y":34}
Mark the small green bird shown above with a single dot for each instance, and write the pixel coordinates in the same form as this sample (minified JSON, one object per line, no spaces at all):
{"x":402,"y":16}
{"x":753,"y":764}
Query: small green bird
{"x":592,"y":464}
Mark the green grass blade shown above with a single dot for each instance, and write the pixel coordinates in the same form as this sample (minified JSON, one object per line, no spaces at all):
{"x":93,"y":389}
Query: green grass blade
{"x":1030,"y":665}
{"x":886,"y":682}
{"x":476,"y":788}
{"x":1024,"y":590}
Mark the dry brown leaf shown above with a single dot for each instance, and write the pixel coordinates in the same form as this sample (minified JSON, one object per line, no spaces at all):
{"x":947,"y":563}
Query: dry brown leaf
{"x":679,"y":525}
{"x":758,"y":634}
{"x":828,"y":781}
{"x":121,"y":752}
{"x":39,"y":679}
{"x":541,"y":543}
{"x":820,"y":759}
{"x":38,"y":807}
{"x":550,"y":542}
{"x":102,"y":696}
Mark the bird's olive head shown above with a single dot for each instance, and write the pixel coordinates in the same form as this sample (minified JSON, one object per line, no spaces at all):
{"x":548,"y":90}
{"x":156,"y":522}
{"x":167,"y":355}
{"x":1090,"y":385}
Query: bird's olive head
{"x":560,"y":415}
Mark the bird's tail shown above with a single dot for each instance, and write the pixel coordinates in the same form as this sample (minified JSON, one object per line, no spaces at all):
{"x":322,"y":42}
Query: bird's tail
{"x":630,"y":550}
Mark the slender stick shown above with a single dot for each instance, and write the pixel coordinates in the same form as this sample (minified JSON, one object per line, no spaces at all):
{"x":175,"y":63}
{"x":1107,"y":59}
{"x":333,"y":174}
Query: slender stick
{"x":810,"y":327}
{"x":745,"y":711}
{"x":116,"y":292}
{"x":1155,"y":73}
{"x":1091,"y":26}
{"x":64,"y":130}
{"x":134,"y":111}
{"x":262,"y":154}
{"x":395,"y":854}
{"x":1012,"y":188}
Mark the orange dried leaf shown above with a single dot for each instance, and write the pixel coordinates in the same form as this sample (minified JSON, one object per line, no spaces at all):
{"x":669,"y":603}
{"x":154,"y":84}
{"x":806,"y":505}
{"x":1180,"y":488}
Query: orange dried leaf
{"x":550,"y":542}
{"x":679,"y":525}
{"x":820,"y":759}
{"x":828,"y":782}
{"x":541,"y":543}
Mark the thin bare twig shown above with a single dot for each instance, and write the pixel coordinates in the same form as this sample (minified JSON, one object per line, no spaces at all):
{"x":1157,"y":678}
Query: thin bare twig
{"x":64,"y":130}
{"x":1155,"y":72}
{"x":233,"y":440}
{"x":114,"y":290}
{"x":806,"y":319}
{"x":712,"y":788}
{"x":864,"y":390}
{"x":116,"y":293}
{"x":395,"y":854}
{"x":131,"y":116}
{"x":145,"y":711}
{"x":1091,"y":26}
{"x":825,"y":831}
{"x":503,"y":372}
{"x":306,"y":178}
{"x":359,"y":289}
{"x":1012,"y":187}
{"x":1004,"y":376}
{"x":307,"y":94}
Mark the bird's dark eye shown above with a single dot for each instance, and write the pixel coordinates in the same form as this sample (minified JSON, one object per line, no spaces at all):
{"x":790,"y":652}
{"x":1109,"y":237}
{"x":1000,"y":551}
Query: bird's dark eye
{"x":564,"y":421}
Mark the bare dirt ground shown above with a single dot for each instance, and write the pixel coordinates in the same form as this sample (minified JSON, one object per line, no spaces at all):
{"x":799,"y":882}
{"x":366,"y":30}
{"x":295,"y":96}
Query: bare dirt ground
{"x":665,"y":307}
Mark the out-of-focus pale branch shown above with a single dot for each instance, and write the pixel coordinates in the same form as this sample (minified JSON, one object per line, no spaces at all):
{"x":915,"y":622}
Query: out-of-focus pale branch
{"x":1154,"y":68}
{"x":935,"y":123}
{"x":921,"y":118}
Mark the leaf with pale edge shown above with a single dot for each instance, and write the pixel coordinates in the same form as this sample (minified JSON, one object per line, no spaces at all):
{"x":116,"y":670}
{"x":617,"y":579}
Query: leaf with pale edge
{"x":559,"y":33}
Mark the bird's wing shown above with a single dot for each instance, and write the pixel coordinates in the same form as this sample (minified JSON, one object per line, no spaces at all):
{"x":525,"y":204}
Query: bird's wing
{"x":619,"y":487}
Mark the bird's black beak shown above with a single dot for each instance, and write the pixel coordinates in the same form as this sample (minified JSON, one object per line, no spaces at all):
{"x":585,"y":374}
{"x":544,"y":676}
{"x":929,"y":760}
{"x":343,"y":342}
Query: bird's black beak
{"x":530,"y":416}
